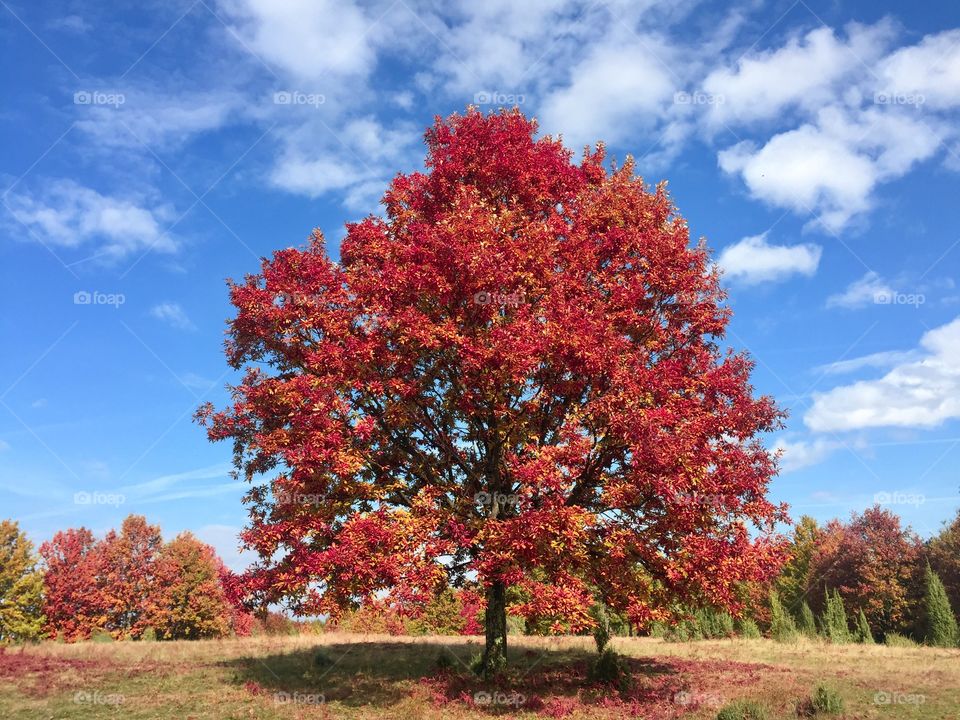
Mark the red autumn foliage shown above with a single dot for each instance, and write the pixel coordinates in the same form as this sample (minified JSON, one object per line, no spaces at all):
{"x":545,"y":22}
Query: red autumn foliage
{"x":516,"y":373}
{"x":874,"y":563}
{"x":72,"y":604}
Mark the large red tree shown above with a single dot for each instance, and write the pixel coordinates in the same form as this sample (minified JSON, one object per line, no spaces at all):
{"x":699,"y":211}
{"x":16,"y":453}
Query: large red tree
{"x":513,"y":375}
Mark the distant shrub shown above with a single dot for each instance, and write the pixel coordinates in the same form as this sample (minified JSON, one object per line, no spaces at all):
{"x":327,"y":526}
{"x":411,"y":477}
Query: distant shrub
{"x":827,"y":701}
{"x":863,"y":632}
{"x":712,"y":623}
{"x":743,"y":710}
{"x":149,"y":635}
{"x":897,"y":640}
{"x":601,"y":633}
{"x":782,"y":626}
{"x":834,"y":621}
{"x":747,"y":628}
{"x":99,"y":635}
{"x":659,"y":629}
{"x":807,"y":623}
{"x":275,"y":623}
{"x":609,"y":668}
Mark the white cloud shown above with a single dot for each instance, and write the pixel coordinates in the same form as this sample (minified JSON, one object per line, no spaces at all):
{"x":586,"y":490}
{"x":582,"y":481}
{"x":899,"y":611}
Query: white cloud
{"x":4,"y":445}
{"x":885,"y":359}
{"x":151,"y":120}
{"x":930,"y":68}
{"x":831,"y":168}
{"x":173,"y":315}
{"x":71,"y":23}
{"x":70,"y":215}
{"x":861,"y":293}
{"x":922,"y":392}
{"x":798,"y":454}
{"x":804,"y":73}
{"x":754,"y":260}
{"x":620,"y":89}
{"x":309,"y":39}
{"x":359,"y":162}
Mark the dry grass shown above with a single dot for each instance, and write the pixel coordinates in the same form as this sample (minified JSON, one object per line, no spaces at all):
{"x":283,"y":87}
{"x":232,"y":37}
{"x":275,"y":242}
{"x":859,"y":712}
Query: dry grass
{"x":374,"y":676}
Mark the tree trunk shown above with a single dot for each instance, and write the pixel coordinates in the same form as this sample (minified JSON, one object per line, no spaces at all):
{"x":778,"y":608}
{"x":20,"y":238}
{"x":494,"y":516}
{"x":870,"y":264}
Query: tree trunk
{"x":495,"y":624}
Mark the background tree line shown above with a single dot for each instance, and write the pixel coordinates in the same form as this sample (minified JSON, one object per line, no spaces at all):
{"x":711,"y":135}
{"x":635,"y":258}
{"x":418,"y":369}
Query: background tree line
{"x":866,"y":580}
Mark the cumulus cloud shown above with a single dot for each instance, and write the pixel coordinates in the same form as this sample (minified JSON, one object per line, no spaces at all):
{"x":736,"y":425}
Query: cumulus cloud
{"x":798,"y":454}
{"x":70,"y":215}
{"x":813,"y":67}
{"x":620,"y":88}
{"x":173,"y":315}
{"x":922,"y":392}
{"x":831,"y":167}
{"x":885,"y":359}
{"x":930,"y":69}
{"x":754,"y":260}
{"x":861,"y":293}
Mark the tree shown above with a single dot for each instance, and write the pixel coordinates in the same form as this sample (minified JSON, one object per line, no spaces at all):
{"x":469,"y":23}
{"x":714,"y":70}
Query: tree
{"x":807,"y":623}
{"x":863,"y":634}
{"x":72,"y":605}
{"x":943,"y":552}
{"x":782,"y":626}
{"x":190,"y":602}
{"x":21,"y":586}
{"x":793,"y":582}
{"x":874,"y":563}
{"x":940,"y":624}
{"x":515,"y":373}
{"x":127,"y":576}
{"x":834,"y":624}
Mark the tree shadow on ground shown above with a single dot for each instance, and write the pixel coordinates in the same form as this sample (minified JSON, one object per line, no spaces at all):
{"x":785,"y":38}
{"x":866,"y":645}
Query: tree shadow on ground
{"x":382,"y":674}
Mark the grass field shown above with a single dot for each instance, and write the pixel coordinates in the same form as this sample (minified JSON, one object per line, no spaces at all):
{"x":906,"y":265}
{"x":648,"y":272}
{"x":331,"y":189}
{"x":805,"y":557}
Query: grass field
{"x":372,"y":676}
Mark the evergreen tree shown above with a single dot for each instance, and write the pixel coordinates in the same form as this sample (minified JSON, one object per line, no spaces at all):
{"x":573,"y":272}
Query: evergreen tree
{"x":940,"y":622}
{"x":863,"y":633}
{"x":833,"y":623}
{"x":807,"y":624}
{"x":782,"y":626}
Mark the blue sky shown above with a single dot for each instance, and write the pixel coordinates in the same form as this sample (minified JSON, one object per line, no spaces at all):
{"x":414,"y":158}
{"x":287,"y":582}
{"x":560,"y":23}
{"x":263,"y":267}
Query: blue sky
{"x":152,"y":152}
